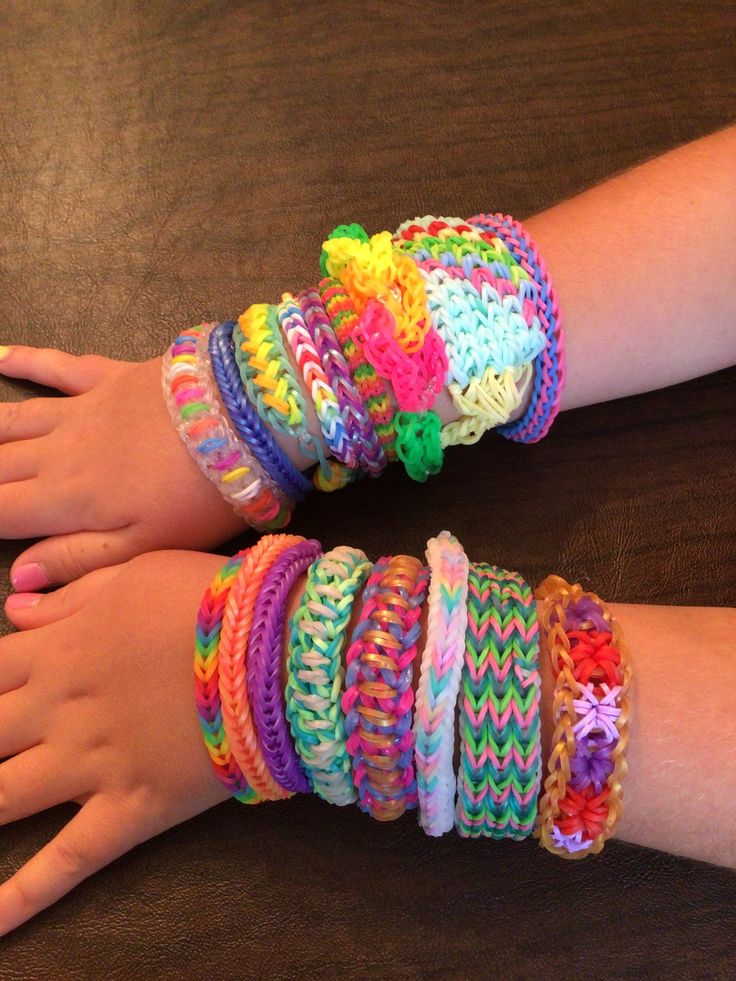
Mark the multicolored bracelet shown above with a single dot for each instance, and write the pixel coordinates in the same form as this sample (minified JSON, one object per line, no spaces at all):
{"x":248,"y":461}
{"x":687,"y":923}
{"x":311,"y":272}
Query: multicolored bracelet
{"x":371,"y":387}
{"x":366,"y":450}
{"x":246,"y":420}
{"x":439,"y":682}
{"x":583,"y":797}
{"x":206,"y":677}
{"x":378,"y":695}
{"x":237,"y":712}
{"x":318,"y":631}
{"x":227,"y":462}
{"x":263,"y":669}
{"x":500,"y":748}
{"x":550,"y":365}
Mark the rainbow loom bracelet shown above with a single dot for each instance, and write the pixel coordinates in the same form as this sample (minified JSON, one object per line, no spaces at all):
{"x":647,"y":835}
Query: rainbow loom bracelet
{"x":246,"y":420}
{"x":500,"y":755}
{"x":367,"y":450}
{"x":439,"y":682}
{"x":207,"y":434}
{"x":318,"y":631}
{"x":550,"y":365}
{"x":583,"y":797}
{"x":206,"y":689}
{"x":269,"y":379}
{"x":378,"y":695}
{"x":237,"y":714}
{"x":263,"y":669}
{"x":326,"y":405}
{"x":371,"y":387}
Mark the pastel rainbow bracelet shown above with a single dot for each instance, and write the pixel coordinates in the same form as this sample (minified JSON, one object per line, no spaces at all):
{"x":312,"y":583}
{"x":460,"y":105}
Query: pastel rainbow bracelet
{"x":439,"y":682}
{"x":237,"y":624}
{"x":591,"y":709}
{"x":317,"y":636}
{"x":550,"y":365}
{"x":378,"y":695}
{"x":500,"y":748}
{"x":263,"y":670}
{"x":366,"y":450}
{"x":207,"y":434}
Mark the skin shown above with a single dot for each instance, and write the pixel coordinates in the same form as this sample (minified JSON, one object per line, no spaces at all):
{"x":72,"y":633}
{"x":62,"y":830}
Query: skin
{"x":663,"y":335}
{"x":73,"y":727}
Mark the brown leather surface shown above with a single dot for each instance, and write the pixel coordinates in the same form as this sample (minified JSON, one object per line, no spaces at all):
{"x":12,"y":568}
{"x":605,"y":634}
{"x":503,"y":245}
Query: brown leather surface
{"x":165,"y":163}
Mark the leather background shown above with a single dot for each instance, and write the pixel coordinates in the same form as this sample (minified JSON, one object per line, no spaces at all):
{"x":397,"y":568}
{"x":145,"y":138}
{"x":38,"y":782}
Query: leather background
{"x":164,"y":163}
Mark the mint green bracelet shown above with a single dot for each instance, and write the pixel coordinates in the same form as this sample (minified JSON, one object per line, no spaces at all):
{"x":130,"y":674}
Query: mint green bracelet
{"x":318,"y":630}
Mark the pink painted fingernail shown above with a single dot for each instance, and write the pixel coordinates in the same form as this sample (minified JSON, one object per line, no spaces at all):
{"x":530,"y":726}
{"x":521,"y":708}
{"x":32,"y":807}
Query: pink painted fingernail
{"x":22,"y":601}
{"x":28,"y":577}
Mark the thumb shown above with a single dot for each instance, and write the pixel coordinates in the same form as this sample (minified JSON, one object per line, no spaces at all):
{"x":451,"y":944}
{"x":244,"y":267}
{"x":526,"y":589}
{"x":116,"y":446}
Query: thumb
{"x":68,"y":373}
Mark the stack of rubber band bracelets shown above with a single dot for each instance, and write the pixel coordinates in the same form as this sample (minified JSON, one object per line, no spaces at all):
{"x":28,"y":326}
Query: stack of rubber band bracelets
{"x":304,"y":667}
{"x":349,"y":370}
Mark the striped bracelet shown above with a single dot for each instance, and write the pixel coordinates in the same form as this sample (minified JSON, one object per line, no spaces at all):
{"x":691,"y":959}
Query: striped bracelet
{"x":237,"y":711}
{"x":317,"y":636}
{"x":439,"y":682}
{"x":264,"y":666}
{"x":591,"y":709}
{"x":500,"y":749}
{"x":246,"y":420}
{"x":550,"y":365}
{"x":378,"y":695}
{"x":207,"y":434}
{"x":206,"y":688}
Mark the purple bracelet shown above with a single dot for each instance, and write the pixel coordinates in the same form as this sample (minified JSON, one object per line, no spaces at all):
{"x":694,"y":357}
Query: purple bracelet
{"x":359,"y":427}
{"x":263,"y":673}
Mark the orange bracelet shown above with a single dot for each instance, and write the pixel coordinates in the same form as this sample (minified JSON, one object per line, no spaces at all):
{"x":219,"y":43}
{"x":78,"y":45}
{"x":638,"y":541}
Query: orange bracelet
{"x":237,"y":716}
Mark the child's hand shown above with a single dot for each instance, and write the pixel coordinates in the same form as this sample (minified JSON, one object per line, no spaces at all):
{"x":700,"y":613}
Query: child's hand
{"x":97,"y":701}
{"x":104,"y":473}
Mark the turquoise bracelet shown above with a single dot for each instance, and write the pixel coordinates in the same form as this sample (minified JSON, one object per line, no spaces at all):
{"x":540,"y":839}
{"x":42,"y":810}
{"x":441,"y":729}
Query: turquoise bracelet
{"x":318,"y":630}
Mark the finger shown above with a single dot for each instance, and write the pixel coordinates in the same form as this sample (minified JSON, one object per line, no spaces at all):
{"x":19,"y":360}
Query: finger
{"x":26,"y":611}
{"x":19,"y":461}
{"x":95,"y":836}
{"x":66,"y":557}
{"x":36,"y":779}
{"x":54,"y":369}
{"x":25,"y":510}
{"x":15,"y":662}
{"x":28,"y":419}
{"x":20,"y":722}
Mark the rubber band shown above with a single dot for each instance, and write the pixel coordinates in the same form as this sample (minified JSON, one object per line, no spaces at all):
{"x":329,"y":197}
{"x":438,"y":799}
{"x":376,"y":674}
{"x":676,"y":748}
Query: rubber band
{"x":206,"y":690}
{"x":318,"y":633}
{"x":439,"y":682}
{"x":418,"y":443}
{"x":500,"y":749}
{"x":378,"y":695}
{"x":237,"y":713}
{"x":326,"y":405}
{"x":363,"y":443}
{"x":263,"y":668}
{"x":550,"y":366}
{"x":246,"y":420}
{"x":371,"y":387}
{"x":583,"y":798}
{"x":209,"y":438}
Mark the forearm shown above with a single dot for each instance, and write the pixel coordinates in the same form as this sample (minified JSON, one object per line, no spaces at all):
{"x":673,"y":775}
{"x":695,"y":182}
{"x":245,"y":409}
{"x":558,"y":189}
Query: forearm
{"x":678,"y":793}
{"x":644,"y":265}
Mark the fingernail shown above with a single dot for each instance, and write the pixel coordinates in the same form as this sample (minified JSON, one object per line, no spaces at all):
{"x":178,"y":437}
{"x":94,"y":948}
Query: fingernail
{"x":28,"y":577}
{"x":4,"y":351}
{"x":22,"y":601}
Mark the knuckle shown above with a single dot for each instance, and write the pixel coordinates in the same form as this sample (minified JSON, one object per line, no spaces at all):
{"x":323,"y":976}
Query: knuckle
{"x":9,"y":415}
{"x":73,"y":560}
{"x":22,"y":894}
{"x":71,"y":858}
